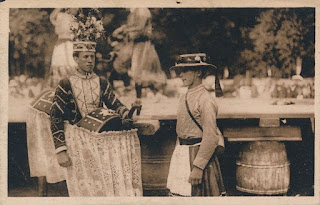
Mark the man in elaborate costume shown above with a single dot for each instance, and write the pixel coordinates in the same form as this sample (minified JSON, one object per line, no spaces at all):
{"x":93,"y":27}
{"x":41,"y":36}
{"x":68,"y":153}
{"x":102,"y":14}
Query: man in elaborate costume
{"x":98,"y":164}
{"x":79,"y":95}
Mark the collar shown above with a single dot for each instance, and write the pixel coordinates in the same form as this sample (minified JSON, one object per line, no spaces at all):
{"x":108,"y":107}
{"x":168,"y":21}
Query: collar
{"x":196,"y":89}
{"x":85,"y":76}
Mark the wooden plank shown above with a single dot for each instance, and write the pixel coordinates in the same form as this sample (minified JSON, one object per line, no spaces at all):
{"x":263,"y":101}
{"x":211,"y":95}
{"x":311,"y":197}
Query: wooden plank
{"x":239,"y":115}
{"x":246,"y":139}
{"x":261,"y":133}
{"x":269,"y":122}
{"x":166,"y":109}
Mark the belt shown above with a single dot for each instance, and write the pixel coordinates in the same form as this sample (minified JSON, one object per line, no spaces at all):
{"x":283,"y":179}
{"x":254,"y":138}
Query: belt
{"x":189,"y":141}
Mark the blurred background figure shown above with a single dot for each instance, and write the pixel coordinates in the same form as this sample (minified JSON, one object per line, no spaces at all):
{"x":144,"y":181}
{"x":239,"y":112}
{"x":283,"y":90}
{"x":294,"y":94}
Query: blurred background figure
{"x":145,"y":65}
{"x":121,"y":56}
{"x":62,"y":63}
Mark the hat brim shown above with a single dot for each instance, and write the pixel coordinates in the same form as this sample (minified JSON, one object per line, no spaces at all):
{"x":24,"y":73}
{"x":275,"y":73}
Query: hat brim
{"x":186,"y":65}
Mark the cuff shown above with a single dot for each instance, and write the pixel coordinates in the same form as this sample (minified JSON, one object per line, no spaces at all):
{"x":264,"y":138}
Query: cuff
{"x":200,"y":162}
{"x":60,"y":149}
{"x":123,"y":110}
{"x":125,"y":113}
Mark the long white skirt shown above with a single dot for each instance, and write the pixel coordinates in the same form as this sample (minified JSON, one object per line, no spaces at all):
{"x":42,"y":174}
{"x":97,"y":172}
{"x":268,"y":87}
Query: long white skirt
{"x":145,"y":65}
{"x":103,"y":164}
{"x":41,"y":152}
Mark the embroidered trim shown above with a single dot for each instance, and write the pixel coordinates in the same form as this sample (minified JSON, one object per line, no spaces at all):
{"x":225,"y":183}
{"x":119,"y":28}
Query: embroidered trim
{"x":61,"y":99}
{"x":95,"y":119}
{"x":60,"y":149}
{"x":57,"y":138}
{"x":105,"y":92}
{"x":62,"y":90}
{"x":58,"y":132}
{"x":114,"y":100}
{"x":56,"y":104}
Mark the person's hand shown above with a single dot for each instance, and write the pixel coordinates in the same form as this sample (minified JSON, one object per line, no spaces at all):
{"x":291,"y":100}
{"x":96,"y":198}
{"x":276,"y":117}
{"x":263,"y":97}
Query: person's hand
{"x":63,"y":159}
{"x":138,"y":105}
{"x":137,"y":102}
{"x":126,"y":120}
{"x":196,"y":176}
{"x":125,"y":115}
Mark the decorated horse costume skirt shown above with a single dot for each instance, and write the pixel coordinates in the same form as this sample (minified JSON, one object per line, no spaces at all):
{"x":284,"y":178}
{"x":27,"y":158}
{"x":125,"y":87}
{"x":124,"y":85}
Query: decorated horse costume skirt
{"x":103,"y":164}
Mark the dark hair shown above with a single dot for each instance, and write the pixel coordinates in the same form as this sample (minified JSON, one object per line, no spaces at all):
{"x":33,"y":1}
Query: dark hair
{"x":205,"y":70}
{"x":76,"y":54}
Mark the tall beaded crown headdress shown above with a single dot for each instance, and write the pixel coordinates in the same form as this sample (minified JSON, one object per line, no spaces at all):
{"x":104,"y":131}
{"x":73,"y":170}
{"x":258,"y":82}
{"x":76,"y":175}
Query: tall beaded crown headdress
{"x":87,"y":29}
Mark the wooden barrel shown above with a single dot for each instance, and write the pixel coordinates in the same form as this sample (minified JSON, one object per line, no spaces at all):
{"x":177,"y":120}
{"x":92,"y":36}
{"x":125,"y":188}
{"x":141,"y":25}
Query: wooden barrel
{"x":263,"y":168}
{"x":156,"y":151}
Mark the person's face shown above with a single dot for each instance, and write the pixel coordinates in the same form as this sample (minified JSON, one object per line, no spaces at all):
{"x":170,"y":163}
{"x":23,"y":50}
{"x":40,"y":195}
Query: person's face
{"x":188,"y":77}
{"x":86,"y":61}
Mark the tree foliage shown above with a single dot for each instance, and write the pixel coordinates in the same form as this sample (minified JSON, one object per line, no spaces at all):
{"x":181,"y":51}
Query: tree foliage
{"x":31,"y":40}
{"x":277,"y":40}
{"x":238,"y":38}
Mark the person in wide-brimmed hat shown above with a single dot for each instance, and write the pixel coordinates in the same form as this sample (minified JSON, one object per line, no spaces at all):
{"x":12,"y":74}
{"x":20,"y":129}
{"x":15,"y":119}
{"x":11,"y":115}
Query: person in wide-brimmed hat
{"x":199,"y":138}
{"x":199,"y":62}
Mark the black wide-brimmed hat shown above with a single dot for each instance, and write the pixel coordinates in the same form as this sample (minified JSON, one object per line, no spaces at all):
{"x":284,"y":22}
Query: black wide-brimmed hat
{"x":193,"y":60}
{"x":201,"y":61}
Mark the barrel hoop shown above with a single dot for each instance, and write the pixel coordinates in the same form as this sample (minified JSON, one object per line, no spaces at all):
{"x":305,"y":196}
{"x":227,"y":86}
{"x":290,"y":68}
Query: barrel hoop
{"x":264,"y":166}
{"x":278,"y":191}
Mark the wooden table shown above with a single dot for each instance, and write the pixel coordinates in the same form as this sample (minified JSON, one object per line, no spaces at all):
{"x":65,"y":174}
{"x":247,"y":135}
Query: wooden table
{"x":157,"y":147}
{"x":229,"y":108}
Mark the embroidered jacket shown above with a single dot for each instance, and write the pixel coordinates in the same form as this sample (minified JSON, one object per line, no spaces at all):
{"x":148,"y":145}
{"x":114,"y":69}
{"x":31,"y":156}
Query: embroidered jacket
{"x":205,"y":109}
{"x":75,"y":97}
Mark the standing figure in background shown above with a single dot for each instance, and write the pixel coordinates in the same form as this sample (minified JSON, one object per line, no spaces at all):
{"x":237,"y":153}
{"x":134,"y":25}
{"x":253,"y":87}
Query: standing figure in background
{"x":146,"y":69}
{"x":62,"y":63}
{"x":194,"y":167}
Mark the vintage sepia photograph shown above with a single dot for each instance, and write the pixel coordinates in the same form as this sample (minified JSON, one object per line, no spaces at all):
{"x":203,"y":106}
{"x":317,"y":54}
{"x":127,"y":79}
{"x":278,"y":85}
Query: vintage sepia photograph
{"x":161,"y":102}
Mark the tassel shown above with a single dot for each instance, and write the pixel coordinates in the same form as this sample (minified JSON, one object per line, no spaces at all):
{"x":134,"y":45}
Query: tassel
{"x":218,"y":89}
